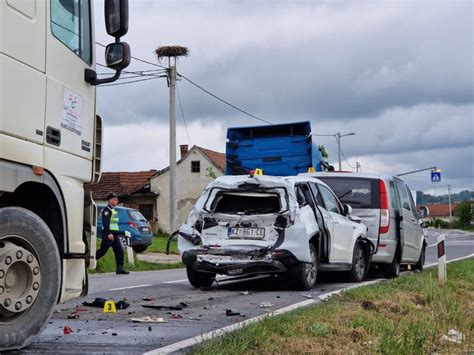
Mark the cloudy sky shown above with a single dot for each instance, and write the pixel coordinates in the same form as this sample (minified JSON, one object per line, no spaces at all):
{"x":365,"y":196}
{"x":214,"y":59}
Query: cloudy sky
{"x":398,"y":73}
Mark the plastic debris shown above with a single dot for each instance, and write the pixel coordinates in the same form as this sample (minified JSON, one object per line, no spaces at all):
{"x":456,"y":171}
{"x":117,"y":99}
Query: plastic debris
{"x":245,"y":292}
{"x":148,"y":299}
{"x":453,"y":337}
{"x":122,"y":304}
{"x":307,"y":296}
{"x":229,"y":313}
{"x":178,"y":307}
{"x":67,"y":330}
{"x":73,"y":315}
{"x":266,"y":305}
{"x":148,"y":320}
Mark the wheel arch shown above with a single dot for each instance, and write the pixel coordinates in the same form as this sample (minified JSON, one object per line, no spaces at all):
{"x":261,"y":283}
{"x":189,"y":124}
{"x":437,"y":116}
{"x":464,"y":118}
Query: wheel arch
{"x":40,"y":194}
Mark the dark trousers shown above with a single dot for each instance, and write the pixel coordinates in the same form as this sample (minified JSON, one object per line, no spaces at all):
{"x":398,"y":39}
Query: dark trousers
{"x":116,"y":246}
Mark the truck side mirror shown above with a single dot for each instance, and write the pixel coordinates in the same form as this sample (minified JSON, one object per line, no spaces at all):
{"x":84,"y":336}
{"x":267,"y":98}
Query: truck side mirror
{"x":117,"y":55}
{"x":116,"y":17}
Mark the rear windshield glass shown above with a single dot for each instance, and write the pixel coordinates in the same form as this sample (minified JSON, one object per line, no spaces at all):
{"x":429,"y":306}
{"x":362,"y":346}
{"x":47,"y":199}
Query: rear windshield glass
{"x":246,"y":203}
{"x":355,"y":192}
{"x":136,"y":216}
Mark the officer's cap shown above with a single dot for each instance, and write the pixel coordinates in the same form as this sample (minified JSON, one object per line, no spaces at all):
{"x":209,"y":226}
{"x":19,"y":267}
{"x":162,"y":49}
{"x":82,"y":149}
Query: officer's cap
{"x":111,"y":196}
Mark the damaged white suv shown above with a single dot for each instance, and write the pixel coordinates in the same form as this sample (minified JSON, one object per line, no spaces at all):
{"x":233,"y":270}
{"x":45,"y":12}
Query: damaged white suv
{"x":244,"y":225}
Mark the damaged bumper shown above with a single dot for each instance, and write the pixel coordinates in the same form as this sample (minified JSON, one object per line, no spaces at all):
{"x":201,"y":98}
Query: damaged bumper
{"x":239,"y":263}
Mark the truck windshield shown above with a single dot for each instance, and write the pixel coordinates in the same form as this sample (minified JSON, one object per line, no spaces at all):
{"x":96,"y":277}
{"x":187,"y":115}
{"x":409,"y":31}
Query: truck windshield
{"x":246,"y":203}
{"x":70,"y":24}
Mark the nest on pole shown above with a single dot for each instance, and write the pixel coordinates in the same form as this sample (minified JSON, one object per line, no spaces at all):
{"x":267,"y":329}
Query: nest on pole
{"x":171,"y":51}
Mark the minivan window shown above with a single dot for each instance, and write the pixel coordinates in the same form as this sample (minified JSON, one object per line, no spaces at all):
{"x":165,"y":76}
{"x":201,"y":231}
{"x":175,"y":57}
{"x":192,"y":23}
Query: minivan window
{"x":412,"y":203}
{"x":403,"y":194}
{"x":393,"y":196}
{"x":329,"y":200}
{"x":355,"y":192}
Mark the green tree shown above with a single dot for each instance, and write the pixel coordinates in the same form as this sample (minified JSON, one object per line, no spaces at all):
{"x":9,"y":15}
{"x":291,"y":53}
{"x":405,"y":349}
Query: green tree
{"x":464,"y":212}
{"x":323,"y":151}
{"x":211,"y":173}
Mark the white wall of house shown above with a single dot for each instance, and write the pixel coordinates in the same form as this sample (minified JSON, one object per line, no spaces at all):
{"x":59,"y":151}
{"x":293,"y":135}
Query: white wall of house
{"x":189,"y":187}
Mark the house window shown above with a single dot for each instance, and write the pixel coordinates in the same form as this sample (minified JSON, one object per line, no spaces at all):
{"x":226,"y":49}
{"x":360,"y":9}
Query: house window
{"x":196,"y":166}
{"x":146,"y":211}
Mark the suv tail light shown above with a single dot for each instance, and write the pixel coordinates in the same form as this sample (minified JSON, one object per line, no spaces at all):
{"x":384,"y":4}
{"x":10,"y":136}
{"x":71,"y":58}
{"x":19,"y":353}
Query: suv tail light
{"x":384,"y":209}
{"x":133,"y":225}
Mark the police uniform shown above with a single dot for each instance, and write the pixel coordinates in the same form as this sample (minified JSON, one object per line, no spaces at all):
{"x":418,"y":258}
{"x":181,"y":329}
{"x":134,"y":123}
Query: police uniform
{"x":110,"y":225}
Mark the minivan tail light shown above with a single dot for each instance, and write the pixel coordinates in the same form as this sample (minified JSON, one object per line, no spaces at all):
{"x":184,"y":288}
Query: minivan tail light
{"x":384,"y":209}
{"x":133,"y":225}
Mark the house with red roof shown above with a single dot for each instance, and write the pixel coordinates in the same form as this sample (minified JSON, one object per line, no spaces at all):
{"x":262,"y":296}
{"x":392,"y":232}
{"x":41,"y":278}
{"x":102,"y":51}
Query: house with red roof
{"x":438,"y":211}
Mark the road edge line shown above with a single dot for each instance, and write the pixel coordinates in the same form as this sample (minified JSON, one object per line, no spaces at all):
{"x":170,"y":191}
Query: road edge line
{"x":183,"y":344}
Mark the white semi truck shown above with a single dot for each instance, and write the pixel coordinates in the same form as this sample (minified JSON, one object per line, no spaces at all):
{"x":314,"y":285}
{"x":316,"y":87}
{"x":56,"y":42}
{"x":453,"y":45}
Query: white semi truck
{"x":50,"y":146}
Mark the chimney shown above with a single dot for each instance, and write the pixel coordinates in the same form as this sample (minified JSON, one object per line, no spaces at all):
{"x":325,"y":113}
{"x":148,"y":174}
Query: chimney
{"x":183,"y":149}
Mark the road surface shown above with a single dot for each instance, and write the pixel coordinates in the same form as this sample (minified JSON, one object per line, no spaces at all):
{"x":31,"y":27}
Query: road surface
{"x":95,"y":332}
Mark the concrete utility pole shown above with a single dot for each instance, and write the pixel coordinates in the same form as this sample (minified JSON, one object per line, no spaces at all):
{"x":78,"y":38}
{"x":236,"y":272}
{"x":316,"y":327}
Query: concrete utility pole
{"x":449,"y":201}
{"x":358,"y":167}
{"x":338,"y":136}
{"x":172,"y":52}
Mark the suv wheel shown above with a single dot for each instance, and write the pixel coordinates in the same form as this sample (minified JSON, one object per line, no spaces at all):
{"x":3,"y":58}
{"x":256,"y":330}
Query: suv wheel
{"x":421,"y":261}
{"x":359,"y":264}
{"x":140,"y":248}
{"x":200,"y":279}
{"x":392,"y":270}
{"x":304,"y":274}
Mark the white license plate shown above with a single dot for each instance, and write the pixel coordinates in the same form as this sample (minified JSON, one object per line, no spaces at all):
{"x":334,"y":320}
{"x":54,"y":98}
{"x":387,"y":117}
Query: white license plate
{"x":246,"y":233}
{"x":146,"y":229}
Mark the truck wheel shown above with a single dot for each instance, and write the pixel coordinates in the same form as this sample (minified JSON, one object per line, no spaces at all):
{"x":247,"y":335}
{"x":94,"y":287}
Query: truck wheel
{"x":30,"y":276}
{"x":304,"y":274}
{"x":421,"y":261}
{"x":200,"y":279}
{"x":392,"y":270}
{"x":359,"y":264}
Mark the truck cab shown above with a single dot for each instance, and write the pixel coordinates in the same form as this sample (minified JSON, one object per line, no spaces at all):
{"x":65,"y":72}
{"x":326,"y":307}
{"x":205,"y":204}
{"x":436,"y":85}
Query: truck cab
{"x":50,"y":146}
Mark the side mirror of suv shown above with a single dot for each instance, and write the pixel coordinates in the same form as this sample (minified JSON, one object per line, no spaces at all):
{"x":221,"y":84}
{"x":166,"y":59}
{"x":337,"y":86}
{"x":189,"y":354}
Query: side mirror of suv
{"x":347,"y":210}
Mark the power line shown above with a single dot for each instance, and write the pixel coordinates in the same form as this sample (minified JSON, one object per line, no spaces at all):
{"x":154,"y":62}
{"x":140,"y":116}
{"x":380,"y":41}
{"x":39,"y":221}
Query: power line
{"x":222,"y":100}
{"x":347,"y":161}
{"x":182,"y":115}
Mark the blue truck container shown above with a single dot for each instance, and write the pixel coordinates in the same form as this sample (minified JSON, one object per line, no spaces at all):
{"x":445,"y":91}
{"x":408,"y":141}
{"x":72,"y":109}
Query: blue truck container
{"x":280,"y":149}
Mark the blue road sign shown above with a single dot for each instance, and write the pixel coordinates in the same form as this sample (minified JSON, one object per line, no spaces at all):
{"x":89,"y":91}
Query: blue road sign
{"x":435,"y":176}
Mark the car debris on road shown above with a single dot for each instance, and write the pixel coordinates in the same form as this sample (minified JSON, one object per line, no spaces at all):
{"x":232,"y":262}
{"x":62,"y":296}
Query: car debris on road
{"x":148,"y":319}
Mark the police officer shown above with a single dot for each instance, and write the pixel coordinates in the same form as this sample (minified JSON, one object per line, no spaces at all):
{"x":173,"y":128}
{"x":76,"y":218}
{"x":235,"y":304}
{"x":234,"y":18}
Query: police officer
{"x":110,"y":229}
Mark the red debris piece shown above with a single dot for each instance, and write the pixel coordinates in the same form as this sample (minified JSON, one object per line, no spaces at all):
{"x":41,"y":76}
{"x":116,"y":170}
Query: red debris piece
{"x":67,"y":330}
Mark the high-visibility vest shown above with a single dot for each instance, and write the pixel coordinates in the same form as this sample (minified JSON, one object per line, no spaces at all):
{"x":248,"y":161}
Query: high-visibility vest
{"x":114,"y":221}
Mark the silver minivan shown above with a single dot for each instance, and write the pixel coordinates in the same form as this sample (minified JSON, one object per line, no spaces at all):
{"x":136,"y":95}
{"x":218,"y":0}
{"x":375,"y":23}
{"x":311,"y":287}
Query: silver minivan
{"x":385,"y":205}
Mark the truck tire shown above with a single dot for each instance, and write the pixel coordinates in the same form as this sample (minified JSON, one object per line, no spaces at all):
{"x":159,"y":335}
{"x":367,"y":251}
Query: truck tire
{"x":392,"y":270}
{"x":304,"y":275}
{"x":200,"y":279}
{"x":360,"y":265}
{"x":30,"y":276}
{"x":421,"y":261}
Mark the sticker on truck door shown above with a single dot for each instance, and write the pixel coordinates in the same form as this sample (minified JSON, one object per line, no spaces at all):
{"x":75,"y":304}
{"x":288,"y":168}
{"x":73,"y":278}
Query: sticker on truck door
{"x":72,"y":109}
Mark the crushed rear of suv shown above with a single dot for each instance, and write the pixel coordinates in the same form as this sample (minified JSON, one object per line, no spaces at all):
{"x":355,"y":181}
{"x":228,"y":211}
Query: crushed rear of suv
{"x":245,"y":225}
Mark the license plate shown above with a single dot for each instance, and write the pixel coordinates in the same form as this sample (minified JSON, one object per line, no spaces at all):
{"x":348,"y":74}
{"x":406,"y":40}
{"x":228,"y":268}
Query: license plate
{"x":146,"y":229}
{"x":246,"y":233}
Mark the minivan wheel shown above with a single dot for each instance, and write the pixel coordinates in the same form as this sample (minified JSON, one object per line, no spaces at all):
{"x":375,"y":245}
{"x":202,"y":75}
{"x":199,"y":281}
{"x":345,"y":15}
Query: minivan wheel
{"x":421,"y":261}
{"x":304,"y":275}
{"x":392,"y":270}
{"x":200,"y":279}
{"x":359,"y":264}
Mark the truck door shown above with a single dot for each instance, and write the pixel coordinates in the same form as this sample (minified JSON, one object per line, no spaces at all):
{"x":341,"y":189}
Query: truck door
{"x":22,"y":78}
{"x":70,"y":100}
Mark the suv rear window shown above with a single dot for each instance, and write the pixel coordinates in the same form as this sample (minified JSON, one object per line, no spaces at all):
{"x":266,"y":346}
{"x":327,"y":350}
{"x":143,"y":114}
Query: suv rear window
{"x":355,"y":192}
{"x":136,"y":216}
{"x":246,"y":203}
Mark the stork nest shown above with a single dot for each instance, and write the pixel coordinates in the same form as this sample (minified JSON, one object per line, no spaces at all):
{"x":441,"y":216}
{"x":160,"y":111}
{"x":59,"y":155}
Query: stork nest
{"x":171,"y":51}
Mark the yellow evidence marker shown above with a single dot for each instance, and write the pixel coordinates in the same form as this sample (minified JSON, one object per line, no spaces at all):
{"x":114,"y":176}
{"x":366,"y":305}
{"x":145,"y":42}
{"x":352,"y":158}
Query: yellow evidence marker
{"x":109,"y":307}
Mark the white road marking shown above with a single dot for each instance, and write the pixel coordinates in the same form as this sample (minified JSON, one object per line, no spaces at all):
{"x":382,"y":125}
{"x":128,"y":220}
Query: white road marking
{"x":230,"y":328}
{"x":450,"y":261}
{"x":175,"y":281}
{"x":129,"y":287}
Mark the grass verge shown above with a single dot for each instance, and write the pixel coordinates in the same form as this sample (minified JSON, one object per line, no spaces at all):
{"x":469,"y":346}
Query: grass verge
{"x":403,"y":316}
{"x":158,"y":244}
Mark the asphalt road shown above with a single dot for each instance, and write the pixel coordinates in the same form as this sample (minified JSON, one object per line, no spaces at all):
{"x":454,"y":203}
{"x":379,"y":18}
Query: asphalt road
{"x":98,"y":333}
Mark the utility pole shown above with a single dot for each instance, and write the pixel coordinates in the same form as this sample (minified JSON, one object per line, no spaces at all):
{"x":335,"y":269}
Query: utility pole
{"x":358,"y":167}
{"x":338,"y":136}
{"x":172,"y":52}
{"x":449,"y":201}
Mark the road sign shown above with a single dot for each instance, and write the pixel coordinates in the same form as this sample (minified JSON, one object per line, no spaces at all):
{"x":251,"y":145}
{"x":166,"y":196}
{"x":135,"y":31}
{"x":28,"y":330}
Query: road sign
{"x":435,"y":176}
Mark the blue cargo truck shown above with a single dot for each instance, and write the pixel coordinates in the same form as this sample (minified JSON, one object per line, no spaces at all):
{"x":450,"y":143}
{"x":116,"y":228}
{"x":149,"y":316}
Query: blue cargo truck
{"x":280,"y":149}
